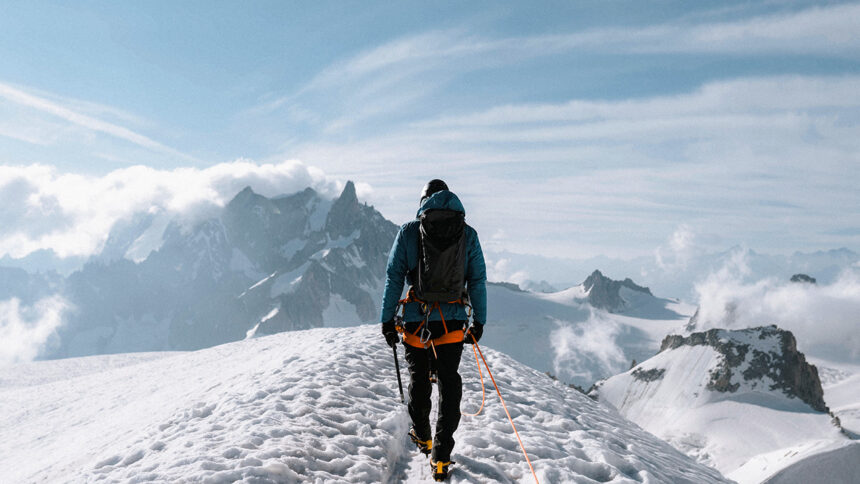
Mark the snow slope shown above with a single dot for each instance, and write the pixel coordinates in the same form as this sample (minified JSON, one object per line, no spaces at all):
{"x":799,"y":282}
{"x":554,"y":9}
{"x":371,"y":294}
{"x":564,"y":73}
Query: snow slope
{"x":748,"y":432}
{"x":841,"y":383}
{"x":840,"y":464}
{"x":308,"y":406}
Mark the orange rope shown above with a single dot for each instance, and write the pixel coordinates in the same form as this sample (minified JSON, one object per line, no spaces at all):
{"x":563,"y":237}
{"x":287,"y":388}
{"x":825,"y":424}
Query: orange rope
{"x":483,"y":389}
{"x":506,"y":410}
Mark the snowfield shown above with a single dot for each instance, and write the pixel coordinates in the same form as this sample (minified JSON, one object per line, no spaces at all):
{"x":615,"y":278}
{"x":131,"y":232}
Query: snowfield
{"x":308,"y":406}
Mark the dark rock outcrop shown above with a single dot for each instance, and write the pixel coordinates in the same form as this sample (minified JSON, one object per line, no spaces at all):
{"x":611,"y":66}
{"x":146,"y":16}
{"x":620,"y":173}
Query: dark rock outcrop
{"x":507,"y":285}
{"x":605,"y":293}
{"x":803,"y":278}
{"x":786,"y":369}
{"x":648,"y":375}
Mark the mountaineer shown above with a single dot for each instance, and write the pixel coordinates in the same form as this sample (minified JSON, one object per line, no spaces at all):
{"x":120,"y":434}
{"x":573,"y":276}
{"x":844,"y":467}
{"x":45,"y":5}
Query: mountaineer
{"x":440,"y":257}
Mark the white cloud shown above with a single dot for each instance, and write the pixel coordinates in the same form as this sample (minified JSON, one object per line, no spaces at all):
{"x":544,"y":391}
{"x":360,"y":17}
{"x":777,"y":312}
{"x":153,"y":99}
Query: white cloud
{"x":24,"y":330}
{"x":824,"y":30}
{"x":73,"y":213}
{"x":678,"y":251}
{"x":823,"y":318}
{"x":733,"y":99}
{"x":587,"y":350}
{"x":501,"y":270}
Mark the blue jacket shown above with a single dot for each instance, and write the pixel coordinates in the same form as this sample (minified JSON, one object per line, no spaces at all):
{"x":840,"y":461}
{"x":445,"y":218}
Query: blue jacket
{"x":403,"y":260}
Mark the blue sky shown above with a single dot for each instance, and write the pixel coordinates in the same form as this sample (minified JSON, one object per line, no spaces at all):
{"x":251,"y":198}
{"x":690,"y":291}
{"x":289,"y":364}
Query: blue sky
{"x":568,"y":128}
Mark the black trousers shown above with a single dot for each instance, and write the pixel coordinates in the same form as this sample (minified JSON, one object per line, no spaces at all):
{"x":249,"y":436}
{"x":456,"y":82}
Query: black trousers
{"x":446,"y":361}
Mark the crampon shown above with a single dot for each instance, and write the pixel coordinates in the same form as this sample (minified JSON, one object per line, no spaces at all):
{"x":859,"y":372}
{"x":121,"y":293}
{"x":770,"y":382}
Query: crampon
{"x":424,"y":446}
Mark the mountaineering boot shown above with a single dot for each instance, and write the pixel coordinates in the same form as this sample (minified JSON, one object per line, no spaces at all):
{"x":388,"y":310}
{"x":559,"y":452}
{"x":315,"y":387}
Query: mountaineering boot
{"x":424,"y":446}
{"x":440,"y":470}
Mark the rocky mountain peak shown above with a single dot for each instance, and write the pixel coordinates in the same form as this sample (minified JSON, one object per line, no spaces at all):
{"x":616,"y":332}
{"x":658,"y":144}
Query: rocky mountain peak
{"x":348,"y":193}
{"x":245,"y":192}
{"x":605,"y":293}
{"x":248,"y":200}
{"x":244,"y":198}
{"x":343,"y":219}
{"x":765,"y":355}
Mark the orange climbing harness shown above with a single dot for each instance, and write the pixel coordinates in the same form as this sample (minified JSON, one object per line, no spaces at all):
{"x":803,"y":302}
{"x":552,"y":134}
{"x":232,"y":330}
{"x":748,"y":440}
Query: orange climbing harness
{"x":424,"y":341}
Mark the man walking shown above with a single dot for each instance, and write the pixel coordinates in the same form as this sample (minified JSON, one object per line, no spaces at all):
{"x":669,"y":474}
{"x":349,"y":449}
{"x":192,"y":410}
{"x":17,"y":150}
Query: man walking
{"x":439,"y":256}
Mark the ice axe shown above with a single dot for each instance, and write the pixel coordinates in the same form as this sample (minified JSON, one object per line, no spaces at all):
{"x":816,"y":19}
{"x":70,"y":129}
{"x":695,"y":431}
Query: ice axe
{"x":397,"y":367}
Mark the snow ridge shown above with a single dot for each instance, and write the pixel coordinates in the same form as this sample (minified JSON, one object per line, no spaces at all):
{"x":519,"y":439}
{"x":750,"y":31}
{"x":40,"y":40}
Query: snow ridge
{"x":309,"y":406}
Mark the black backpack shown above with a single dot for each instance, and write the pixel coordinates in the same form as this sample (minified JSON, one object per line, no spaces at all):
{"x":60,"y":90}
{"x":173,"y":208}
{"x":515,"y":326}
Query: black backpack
{"x":441,"y":256}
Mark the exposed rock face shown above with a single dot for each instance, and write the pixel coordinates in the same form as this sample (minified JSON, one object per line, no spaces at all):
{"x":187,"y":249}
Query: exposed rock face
{"x":271,"y":264}
{"x":507,"y":285}
{"x":605,"y":293}
{"x":648,"y":375}
{"x":764,"y":354}
{"x":803,"y":278}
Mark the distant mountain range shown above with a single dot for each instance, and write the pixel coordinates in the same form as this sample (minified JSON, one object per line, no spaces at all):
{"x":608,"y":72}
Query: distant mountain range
{"x":676,"y":279}
{"x":265,"y":265}
{"x":260,"y":266}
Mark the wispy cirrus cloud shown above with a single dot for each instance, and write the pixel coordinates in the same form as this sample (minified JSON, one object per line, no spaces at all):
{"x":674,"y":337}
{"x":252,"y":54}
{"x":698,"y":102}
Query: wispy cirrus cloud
{"x":826,"y":30}
{"x":408,"y":79}
{"x":749,"y":157}
{"x":63,"y":114}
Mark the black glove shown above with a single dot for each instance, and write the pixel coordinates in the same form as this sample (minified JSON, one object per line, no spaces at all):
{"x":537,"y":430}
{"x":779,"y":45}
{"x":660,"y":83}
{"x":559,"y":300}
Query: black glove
{"x":477,"y":330}
{"x":390,"y":333}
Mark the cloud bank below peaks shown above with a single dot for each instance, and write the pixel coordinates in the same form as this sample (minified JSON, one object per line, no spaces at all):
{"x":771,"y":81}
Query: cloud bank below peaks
{"x":72,"y":214}
{"x":24,"y":330}
{"x":823,"y":318}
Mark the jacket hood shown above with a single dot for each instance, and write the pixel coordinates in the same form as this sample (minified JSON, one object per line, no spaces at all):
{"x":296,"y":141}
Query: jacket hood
{"x":441,"y":200}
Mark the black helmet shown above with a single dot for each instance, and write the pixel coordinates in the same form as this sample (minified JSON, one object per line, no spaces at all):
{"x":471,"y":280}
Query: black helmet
{"x":432,"y":187}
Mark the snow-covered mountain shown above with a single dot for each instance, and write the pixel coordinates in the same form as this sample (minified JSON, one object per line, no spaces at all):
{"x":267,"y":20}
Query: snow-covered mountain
{"x":583,"y":333}
{"x":318,"y":405}
{"x":260,"y":265}
{"x":744,"y":401}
